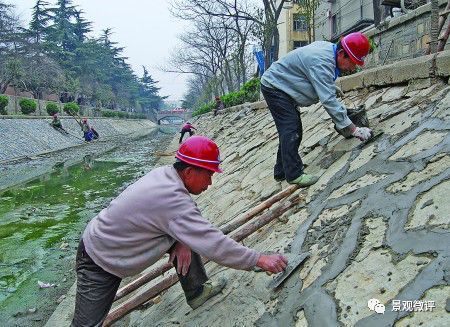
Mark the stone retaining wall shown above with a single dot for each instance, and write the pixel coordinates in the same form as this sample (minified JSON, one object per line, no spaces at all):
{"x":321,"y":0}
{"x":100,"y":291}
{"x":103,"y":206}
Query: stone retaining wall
{"x":21,"y":137}
{"x":403,"y":37}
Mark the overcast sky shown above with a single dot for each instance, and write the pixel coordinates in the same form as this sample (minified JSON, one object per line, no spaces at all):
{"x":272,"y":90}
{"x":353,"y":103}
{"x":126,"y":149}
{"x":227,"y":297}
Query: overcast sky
{"x":144,"y":27}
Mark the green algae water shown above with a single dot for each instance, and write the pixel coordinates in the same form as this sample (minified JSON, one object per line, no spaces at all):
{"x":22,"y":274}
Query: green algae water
{"x":42,"y":220}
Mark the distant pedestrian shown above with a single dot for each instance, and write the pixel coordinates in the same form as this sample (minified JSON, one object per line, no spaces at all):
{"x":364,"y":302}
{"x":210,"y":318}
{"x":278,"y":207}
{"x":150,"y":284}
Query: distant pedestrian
{"x":187,"y":128}
{"x":219,"y":105}
{"x":56,"y":124}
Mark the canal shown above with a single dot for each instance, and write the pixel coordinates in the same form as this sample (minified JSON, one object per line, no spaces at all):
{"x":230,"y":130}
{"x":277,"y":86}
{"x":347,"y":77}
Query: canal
{"x":41,"y":222}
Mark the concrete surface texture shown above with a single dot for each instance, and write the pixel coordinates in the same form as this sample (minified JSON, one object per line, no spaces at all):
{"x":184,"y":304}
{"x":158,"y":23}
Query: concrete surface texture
{"x":32,"y":136}
{"x":376,"y":223}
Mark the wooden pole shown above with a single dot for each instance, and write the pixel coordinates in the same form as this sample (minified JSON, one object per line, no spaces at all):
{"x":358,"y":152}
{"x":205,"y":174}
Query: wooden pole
{"x":239,"y":221}
{"x":136,"y":301}
{"x":266,"y":218}
{"x":142,"y":280}
{"x":227,"y":228}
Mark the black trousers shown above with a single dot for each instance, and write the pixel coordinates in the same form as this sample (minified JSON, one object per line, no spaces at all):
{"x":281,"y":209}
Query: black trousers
{"x":96,"y":288}
{"x":184,"y":131}
{"x":290,"y":132}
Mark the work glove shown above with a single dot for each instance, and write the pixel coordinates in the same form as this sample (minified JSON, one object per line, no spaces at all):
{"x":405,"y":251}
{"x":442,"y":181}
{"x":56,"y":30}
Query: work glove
{"x":362,"y":133}
{"x":339,"y":92}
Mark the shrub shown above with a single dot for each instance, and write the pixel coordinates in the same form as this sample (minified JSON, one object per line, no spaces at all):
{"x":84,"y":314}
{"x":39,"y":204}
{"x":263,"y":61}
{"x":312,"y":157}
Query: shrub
{"x":122,"y":114}
{"x":108,"y":113}
{"x":52,"y":108}
{"x":27,"y":106}
{"x":249,"y":92}
{"x":204,"y":109}
{"x":3,"y":103}
{"x":233,"y":98}
{"x":71,"y":108}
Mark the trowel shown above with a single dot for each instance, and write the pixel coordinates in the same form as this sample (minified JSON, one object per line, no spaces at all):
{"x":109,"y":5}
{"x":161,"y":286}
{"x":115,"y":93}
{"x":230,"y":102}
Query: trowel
{"x":375,"y":135}
{"x":293,"y":263}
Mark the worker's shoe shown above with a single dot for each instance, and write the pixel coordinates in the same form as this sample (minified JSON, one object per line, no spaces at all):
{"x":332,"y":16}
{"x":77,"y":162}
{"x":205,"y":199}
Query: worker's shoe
{"x":210,"y":289}
{"x":304,"y":180}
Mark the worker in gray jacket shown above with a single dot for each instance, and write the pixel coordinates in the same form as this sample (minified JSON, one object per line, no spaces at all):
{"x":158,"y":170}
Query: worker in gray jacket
{"x":301,"y":78}
{"x":154,"y":216}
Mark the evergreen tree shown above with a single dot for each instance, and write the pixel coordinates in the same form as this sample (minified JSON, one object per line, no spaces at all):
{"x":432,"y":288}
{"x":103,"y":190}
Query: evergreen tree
{"x":40,"y":18}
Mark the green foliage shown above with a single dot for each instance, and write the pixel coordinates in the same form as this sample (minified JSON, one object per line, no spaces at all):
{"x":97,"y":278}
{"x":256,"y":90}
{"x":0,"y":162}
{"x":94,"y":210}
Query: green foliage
{"x":233,"y":98}
{"x":121,"y":114}
{"x":3,"y":103}
{"x":71,"y":108}
{"x":60,"y":57}
{"x":372,"y":44}
{"x":204,"y":109}
{"x":249,"y":92}
{"x":27,"y":106}
{"x":52,"y":108}
{"x":115,"y":114}
{"x":108,"y":113}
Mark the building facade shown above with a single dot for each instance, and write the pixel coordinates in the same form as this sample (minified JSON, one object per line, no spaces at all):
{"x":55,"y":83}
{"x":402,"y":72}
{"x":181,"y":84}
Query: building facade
{"x":293,"y":27}
{"x":334,"y":18}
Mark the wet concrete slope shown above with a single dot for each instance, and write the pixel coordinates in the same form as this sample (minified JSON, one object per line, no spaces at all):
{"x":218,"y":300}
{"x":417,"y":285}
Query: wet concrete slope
{"x":376,"y":224}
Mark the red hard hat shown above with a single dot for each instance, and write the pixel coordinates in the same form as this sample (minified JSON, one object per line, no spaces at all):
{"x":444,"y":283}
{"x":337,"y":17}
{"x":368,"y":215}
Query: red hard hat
{"x":357,"y":46}
{"x":201,"y":152}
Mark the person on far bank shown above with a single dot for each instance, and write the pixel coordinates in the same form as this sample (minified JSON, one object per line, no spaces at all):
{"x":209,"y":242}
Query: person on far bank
{"x":86,"y":129}
{"x":219,"y":105}
{"x":154,"y":216}
{"x":301,"y":78}
{"x":187,"y":128}
{"x":56,"y":124}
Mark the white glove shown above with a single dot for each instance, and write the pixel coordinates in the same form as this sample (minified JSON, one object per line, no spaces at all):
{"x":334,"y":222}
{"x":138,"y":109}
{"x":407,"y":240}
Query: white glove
{"x":362,"y":133}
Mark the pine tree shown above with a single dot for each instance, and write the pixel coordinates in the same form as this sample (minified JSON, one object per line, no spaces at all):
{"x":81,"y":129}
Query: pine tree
{"x":39,"y":21}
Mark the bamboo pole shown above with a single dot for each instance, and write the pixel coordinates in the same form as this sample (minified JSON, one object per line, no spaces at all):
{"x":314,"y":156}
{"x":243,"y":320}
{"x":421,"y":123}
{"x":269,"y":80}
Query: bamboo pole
{"x":239,"y":221}
{"x":142,"y":280}
{"x":136,"y":301}
{"x":227,"y":228}
{"x":266,"y":218}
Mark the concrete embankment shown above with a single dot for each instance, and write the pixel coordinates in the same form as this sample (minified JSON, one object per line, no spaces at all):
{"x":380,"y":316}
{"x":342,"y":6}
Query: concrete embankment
{"x":30,"y":136}
{"x":376,"y":224}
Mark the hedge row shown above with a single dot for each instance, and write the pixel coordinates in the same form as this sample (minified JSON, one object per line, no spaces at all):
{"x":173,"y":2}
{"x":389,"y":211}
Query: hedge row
{"x":3,"y":104}
{"x":249,"y":92}
{"x":28,"y":106}
{"x":121,"y":114}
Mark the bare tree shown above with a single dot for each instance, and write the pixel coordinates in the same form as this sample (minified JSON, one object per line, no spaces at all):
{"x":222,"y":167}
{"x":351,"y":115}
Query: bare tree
{"x":265,"y":18}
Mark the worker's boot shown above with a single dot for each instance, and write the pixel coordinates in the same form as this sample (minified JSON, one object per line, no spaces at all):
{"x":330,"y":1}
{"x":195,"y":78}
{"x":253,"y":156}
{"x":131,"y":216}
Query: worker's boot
{"x":210,"y":289}
{"x":304,"y":180}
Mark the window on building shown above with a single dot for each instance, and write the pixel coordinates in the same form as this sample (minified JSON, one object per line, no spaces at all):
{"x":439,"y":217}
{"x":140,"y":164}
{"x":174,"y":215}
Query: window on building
{"x":299,"y":44}
{"x":300,"y":23}
{"x":333,"y":24}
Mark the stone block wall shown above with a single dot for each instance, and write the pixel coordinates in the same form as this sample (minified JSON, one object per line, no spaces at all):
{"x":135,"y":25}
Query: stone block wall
{"x":402,"y":37}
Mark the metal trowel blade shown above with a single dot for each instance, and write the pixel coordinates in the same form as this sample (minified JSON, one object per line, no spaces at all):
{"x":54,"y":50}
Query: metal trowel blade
{"x":376,"y":136}
{"x":293,"y":263}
